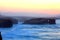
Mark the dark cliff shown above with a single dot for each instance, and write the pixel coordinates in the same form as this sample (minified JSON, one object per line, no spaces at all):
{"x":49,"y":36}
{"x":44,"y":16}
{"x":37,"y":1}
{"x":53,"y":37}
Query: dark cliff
{"x":40,"y":21}
{"x":5,"y":23}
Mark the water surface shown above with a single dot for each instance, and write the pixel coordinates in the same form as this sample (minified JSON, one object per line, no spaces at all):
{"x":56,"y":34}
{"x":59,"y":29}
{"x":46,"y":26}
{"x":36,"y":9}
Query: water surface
{"x":32,"y":32}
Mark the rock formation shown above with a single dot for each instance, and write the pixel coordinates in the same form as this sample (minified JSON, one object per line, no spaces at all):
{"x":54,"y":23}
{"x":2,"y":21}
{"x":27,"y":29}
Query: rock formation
{"x":6,"y":23}
{"x":52,"y":21}
{"x":0,"y":36}
{"x":40,"y":21}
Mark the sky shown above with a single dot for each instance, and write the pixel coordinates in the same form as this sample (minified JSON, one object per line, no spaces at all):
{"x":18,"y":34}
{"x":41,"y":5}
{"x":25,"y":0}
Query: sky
{"x":36,"y":8}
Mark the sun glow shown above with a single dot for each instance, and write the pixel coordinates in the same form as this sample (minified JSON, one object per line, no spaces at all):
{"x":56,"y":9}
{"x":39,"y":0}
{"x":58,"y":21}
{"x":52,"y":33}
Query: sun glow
{"x":38,"y":6}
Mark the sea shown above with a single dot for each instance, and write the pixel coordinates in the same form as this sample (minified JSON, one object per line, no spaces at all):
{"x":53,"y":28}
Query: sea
{"x":32,"y":32}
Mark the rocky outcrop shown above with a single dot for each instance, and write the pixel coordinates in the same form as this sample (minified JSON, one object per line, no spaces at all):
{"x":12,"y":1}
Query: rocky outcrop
{"x":0,"y":36}
{"x":40,"y":21}
{"x":5,"y":23}
{"x":51,"y":21}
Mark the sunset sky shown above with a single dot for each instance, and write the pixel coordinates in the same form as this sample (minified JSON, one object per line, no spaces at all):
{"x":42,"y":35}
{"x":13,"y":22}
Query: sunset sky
{"x":30,"y":7}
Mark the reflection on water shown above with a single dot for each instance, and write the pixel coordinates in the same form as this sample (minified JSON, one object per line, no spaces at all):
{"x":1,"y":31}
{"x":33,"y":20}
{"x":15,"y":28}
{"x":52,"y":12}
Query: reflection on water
{"x":32,"y":32}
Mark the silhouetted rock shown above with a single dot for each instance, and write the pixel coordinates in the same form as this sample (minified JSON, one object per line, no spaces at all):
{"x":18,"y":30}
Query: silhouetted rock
{"x":0,"y":36}
{"x":52,"y":21}
{"x":6,"y":23}
{"x":40,"y":21}
{"x":14,"y":20}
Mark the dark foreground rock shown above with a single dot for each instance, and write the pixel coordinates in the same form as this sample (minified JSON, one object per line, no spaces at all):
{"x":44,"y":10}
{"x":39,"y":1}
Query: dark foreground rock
{"x":52,"y":21}
{"x":0,"y":36}
{"x":40,"y":21}
{"x":5,"y":23}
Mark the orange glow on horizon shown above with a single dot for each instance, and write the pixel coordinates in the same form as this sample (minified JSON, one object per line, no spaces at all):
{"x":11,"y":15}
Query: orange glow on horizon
{"x":37,"y":6}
